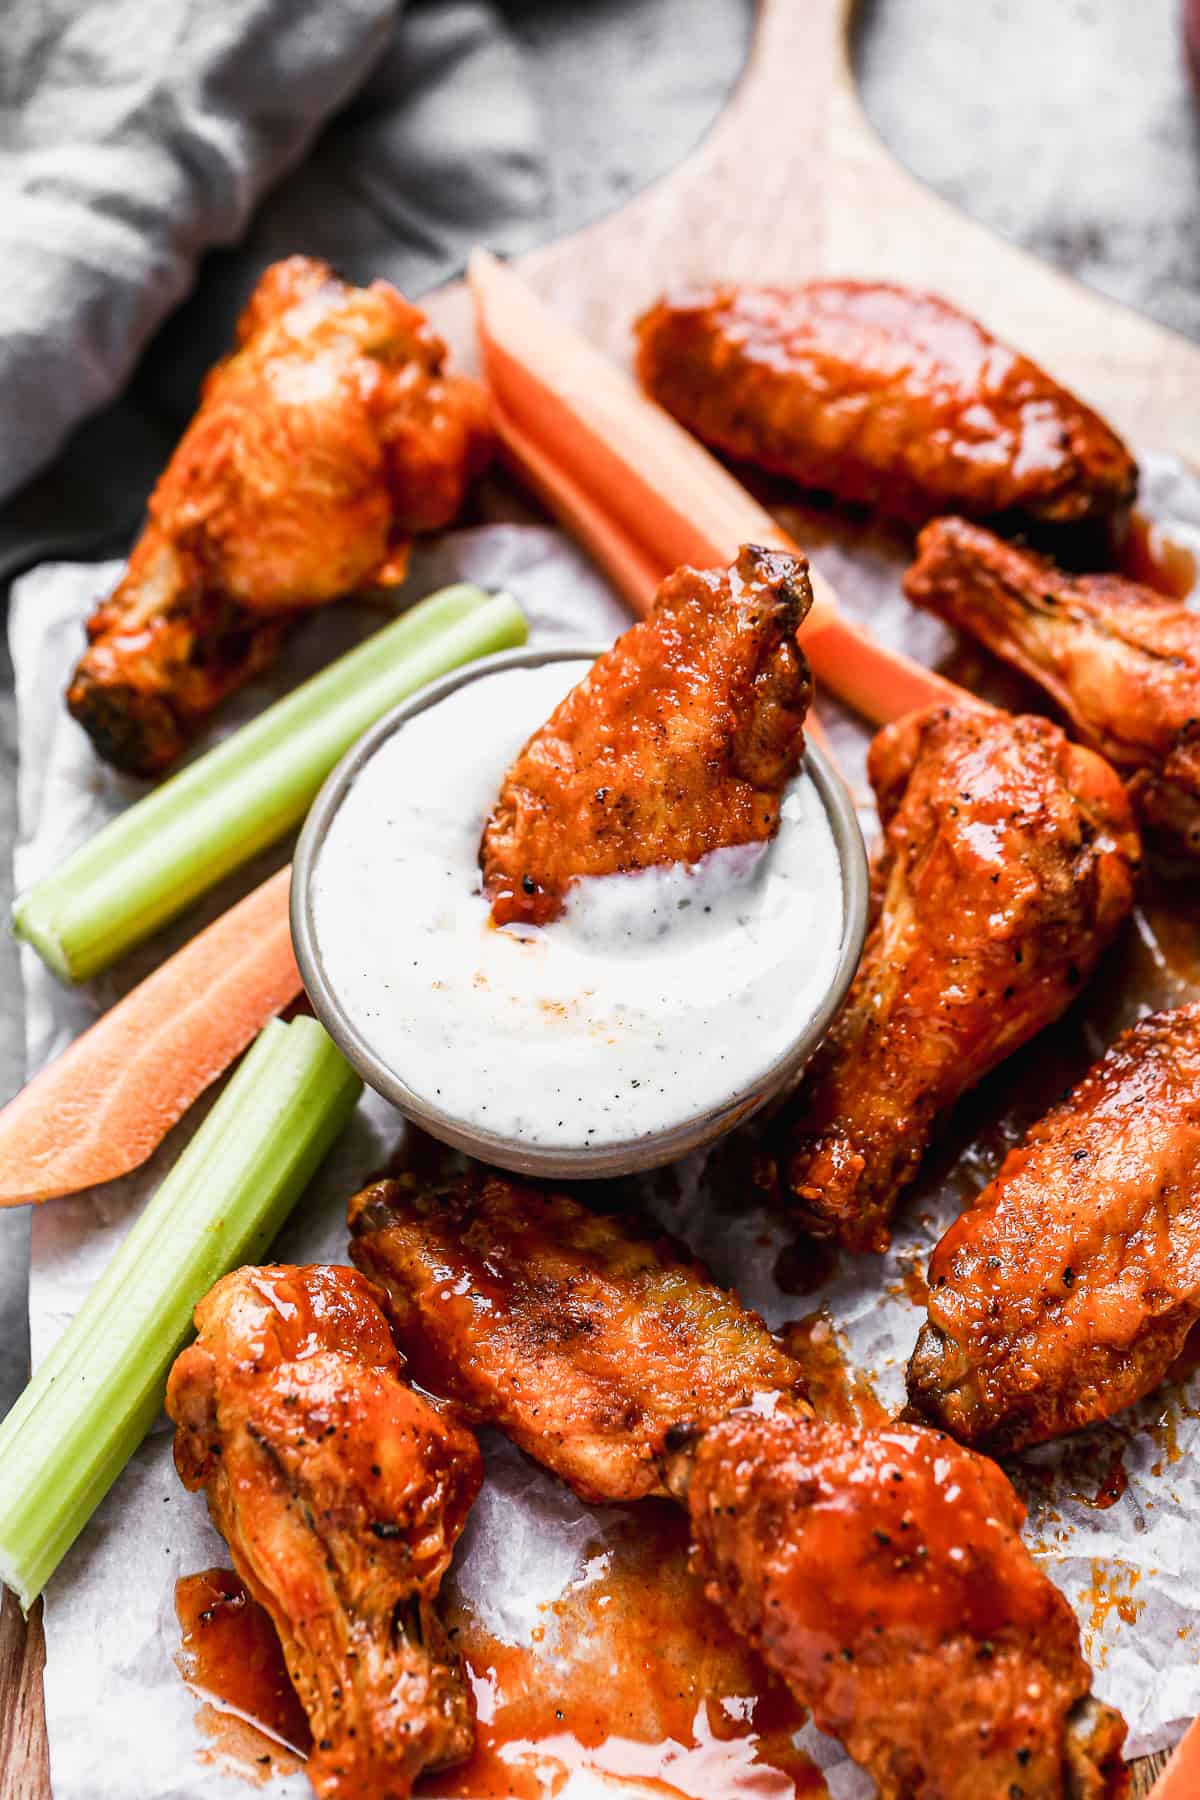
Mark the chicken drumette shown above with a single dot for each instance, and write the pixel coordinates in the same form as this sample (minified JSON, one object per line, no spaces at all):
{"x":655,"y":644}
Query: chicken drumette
{"x":323,"y":442}
{"x":1122,"y":661}
{"x":1006,"y":865}
{"x":879,"y":1570}
{"x":882,"y":397}
{"x":340,"y":1494}
{"x":678,"y":741}
{"x":1067,"y":1290}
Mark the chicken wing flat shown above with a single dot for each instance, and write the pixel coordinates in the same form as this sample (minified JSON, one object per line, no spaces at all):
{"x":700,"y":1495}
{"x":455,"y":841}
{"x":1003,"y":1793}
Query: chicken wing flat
{"x":1122,"y":661}
{"x":882,"y":397}
{"x":879,"y":1570}
{"x":340,"y":1494}
{"x":678,"y":741}
{"x":1006,"y":865}
{"x":1067,"y":1290}
{"x":881,"y":1573}
{"x":595,"y":1350}
{"x":327,"y":438}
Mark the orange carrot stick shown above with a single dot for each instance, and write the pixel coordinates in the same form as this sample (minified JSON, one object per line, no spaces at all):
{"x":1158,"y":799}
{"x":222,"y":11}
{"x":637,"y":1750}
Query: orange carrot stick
{"x":1180,"y":1780}
{"x":633,"y":573}
{"x":643,"y":496}
{"x":108,"y":1101}
{"x":630,"y":569}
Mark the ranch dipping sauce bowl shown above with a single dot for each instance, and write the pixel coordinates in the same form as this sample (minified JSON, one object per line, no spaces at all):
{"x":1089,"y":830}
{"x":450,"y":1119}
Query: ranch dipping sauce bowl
{"x":661,"y":1009}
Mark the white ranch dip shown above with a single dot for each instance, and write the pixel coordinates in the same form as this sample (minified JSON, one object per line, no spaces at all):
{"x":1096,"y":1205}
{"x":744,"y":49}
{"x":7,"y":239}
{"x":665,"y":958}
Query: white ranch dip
{"x":653,"y":999}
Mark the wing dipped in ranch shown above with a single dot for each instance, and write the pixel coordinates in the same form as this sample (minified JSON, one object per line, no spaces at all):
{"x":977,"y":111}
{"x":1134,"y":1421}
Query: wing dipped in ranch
{"x":678,"y":742}
{"x":329,"y":436}
{"x":341,"y":1494}
{"x":878,"y":1569}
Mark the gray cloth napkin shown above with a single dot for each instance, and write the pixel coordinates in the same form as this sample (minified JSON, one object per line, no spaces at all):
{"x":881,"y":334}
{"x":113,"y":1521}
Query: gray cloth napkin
{"x":136,"y":135}
{"x":146,"y":145}
{"x":139,"y":134}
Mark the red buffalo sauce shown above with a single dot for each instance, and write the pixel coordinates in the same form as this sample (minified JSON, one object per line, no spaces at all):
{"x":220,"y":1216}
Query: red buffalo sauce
{"x":230,"y":1656}
{"x":1157,"y":561}
{"x":633,"y":1676}
{"x":838,"y":1391}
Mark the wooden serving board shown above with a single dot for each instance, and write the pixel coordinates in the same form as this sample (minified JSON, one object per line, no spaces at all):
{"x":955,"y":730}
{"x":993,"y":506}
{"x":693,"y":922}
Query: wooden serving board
{"x":792,"y":183}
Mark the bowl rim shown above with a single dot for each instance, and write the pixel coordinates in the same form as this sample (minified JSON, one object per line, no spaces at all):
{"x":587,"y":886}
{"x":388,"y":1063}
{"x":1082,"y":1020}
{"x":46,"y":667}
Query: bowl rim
{"x":570,"y":1162}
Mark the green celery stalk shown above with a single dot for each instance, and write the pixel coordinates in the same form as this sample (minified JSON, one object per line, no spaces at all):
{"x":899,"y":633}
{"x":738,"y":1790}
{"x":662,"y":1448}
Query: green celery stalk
{"x":246,"y":792}
{"x":99,"y":1390}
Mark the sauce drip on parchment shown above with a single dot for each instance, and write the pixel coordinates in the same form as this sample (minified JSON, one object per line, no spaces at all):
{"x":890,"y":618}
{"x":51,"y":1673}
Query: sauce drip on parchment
{"x":633,"y":1677}
{"x":1156,"y":560}
{"x":230,"y":1656}
{"x":637,"y":1678}
{"x":837,"y":1390}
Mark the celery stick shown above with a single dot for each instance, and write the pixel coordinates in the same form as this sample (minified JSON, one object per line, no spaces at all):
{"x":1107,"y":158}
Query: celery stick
{"x":242,"y":795}
{"x":97,"y":1393}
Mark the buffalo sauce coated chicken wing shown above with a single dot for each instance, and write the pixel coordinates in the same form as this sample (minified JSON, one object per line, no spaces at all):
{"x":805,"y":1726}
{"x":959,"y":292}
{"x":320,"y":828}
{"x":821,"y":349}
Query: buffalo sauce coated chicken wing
{"x":1067,"y":1290}
{"x":678,"y":741}
{"x":340,"y":1494}
{"x":881,"y":1573}
{"x":1006,"y":865}
{"x":879,"y":1570}
{"x":884,"y":397}
{"x":1122,"y":661}
{"x":595,"y":1350}
{"x":323,"y":442}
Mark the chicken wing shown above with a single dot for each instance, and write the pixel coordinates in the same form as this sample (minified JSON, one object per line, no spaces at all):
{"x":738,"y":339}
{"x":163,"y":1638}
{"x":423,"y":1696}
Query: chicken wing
{"x":1122,"y":661}
{"x":881,"y":1573}
{"x":340,"y":1494}
{"x":592,"y":1348}
{"x":879,"y":1570}
{"x":322,"y":443}
{"x":1006,"y":865}
{"x":678,"y":741}
{"x":883,"y":397}
{"x":1066,"y":1291}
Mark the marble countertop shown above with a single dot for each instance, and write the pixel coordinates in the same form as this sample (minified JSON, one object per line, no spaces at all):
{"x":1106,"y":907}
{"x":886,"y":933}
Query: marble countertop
{"x":962,"y":96}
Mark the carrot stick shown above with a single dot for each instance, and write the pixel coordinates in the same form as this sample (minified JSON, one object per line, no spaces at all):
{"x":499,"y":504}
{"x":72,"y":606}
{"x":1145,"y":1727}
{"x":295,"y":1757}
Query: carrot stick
{"x":643,"y":496}
{"x":108,"y":1101}
{"x":1180,"y":1780}
{"x":635,"y":575}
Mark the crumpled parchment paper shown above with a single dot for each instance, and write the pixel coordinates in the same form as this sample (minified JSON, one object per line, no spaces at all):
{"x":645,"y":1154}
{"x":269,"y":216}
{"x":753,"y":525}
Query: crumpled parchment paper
{"x":122,"y":1724}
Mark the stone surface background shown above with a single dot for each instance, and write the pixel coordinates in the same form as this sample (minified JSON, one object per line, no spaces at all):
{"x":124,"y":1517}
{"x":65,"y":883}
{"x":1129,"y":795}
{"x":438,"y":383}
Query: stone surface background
{"x":1070,"y":128}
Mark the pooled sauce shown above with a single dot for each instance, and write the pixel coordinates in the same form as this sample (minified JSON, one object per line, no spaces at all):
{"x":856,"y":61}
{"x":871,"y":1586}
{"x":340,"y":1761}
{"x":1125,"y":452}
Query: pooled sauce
{"x":1157,"y":561}
{"x":636,"y":1679}
{"x":655,"y":998}
{"x":836,"y":1389}
{"x":231,"y":1657}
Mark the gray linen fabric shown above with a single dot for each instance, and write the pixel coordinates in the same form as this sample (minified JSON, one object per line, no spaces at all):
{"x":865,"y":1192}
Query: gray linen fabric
{"x":134,"y":136}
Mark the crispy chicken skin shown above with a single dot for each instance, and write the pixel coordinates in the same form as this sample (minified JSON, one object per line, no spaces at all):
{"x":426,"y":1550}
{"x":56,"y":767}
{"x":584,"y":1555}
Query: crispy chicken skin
{"x":340,"y":1494}
{"x":883,"y":397}
{"x":881,"y":1573}
{"x":1006,"y":864}
{"x":1122,"y":661}
{"x":323,"y":442}
{"x":1067,"y":1290}
{"x":678,"y":741}
{"x":613,"y":1359}
{"x":594,"y":1349}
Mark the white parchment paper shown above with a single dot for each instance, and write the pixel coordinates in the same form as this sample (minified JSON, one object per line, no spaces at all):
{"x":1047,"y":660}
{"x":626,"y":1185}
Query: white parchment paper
{"x":122,"y":1724}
